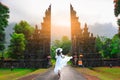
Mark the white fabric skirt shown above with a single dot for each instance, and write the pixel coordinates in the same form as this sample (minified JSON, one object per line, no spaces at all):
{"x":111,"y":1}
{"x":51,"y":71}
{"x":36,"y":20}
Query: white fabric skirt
{"x":60,"y":63}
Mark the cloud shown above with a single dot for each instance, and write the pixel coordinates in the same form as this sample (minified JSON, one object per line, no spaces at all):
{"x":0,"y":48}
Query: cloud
{"x":90,"y":11}
{"x":106,"y":29}
{"x":29,"y":10}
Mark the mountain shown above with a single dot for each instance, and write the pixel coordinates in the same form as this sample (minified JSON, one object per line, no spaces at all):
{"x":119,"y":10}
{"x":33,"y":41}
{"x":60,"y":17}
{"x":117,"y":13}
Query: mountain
{"x":106,"y":29}
{"x":8,"y":31}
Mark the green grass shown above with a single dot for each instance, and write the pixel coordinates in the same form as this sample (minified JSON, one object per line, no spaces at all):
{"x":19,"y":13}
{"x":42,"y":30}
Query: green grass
{"x":53,"y":61}
{"x":7,"y":74}
{"x":103,"y":73}
{"x":109,"y":73}
{"x":114,"y":70}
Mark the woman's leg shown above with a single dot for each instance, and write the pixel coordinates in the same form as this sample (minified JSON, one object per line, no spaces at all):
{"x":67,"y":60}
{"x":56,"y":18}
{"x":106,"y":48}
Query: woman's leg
{"x":58,"y":74}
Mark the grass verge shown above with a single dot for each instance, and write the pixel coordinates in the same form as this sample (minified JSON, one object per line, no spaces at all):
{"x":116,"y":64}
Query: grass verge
{"x":103,"y":73}
{"x":7,"y":74}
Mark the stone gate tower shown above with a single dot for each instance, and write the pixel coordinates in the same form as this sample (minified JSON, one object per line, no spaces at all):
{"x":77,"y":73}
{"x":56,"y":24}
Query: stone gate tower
{"x":39,"y":51}
{"x":83,"y":42}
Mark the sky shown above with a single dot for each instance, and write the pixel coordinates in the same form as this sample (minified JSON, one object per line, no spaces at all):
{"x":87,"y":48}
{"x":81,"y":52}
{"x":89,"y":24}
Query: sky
{"x":88,"y":11}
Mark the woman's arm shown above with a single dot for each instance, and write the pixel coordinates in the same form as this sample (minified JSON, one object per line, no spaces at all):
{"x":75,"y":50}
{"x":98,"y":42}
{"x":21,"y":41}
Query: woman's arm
{"x":63,"y":56}
{"x":56,"y":56}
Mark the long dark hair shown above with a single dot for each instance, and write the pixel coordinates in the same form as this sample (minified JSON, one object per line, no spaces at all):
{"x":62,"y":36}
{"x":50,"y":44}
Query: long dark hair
{"x":58,"y":52}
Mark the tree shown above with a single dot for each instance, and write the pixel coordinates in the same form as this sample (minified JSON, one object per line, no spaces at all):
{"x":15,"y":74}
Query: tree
{"x":117,"y":13}
{"x":57,"y":43}
{"x":4,"y":10}
{"x":25,"y":28}
{"x":116,"y":38}
{"x":99,"y":44}
{"x":117,"y":7}
{"x":17,"y":46}
{"x":53,"y":48}
{"x":104,"y":46}
{"x":107,"y":48}
{"x":64,"y":43}
{"x":115,"y":46}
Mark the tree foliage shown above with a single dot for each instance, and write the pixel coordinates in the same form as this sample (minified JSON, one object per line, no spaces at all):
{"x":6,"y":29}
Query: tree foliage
{"x":117,"y":7}
{"x":64,"y":43}
{"x":117,"y":13}
{"x":99,"y":44}
{"x":115,"y":46}
{"x":17,"y":46}
{"x":53,"y":48}
{"x":25,"y":28}
{"x":18,"y":43}
{"x":4,"y":15}
{"x":109,"y":48}
{"x":57,"y":43}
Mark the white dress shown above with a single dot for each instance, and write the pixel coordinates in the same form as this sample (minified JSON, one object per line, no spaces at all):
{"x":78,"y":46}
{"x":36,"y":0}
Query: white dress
{"x":61,"y":61}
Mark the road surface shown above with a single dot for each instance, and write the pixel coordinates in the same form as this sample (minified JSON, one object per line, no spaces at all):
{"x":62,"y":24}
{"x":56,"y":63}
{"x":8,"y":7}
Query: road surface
{"x":67,"y":73}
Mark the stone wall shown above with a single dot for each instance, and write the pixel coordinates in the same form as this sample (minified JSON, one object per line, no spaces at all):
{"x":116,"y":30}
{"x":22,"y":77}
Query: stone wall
{"x":98,"y":62}
{"x":113,"y":62}
{"x":42,"y":63}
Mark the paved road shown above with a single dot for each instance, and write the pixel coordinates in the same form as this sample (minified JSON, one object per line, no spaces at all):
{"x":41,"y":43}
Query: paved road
{"x":67,"y":73}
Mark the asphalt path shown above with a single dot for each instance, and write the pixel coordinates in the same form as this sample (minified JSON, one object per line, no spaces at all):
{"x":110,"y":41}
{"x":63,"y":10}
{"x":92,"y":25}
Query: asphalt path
{"x":67,"y":73}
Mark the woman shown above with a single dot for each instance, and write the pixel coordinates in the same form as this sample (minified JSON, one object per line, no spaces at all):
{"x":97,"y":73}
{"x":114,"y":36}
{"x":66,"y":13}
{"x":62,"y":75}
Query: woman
{"x":61,"y":61}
